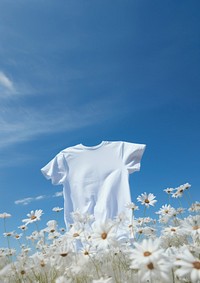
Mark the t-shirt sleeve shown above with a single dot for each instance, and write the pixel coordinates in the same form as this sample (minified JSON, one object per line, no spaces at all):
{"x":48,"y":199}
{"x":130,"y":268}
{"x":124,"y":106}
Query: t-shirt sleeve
{"x":132,"y":154}
{"x":56,"y":170}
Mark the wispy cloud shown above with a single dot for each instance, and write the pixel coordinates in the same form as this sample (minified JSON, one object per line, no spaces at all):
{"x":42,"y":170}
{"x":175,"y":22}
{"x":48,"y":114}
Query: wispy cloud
{"x":5,"y":82}
{"x":28,"y":200}
{"x":24,"y":117}
{"x":58,"y":194}
{"x":24,"y":201}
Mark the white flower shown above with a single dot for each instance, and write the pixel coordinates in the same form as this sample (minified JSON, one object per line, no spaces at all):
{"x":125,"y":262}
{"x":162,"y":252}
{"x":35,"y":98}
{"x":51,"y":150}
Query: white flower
{"x":33,"y":216}
{"x":122,"y":219}
{"x":173,"y":231}
{"x":17,"y":236}
{"x":57,"y":209}
{"x":5,"y":215}
{"x":88,"y":251}
{"x":143,"y":220}
{"x":169,"y":190}
{"x":180,"y":190}
{"x":163,"y":219}
{"x":195,"y":207}
{"x":147,"y":199}
{"x":132,"y":206}
{"x":191,"y":226}
{"x":146,"y":252}
{"x":63,"y":252}
{"x":34,"y":236}
{"x":83,"y":218}
{"x":166,"y":210}
{"x":185,"y":186}
{"x":188,"y":266}
{"x":104,"y":234}
{"x":8,"y":234}
{"x":75,"y":231}
{"x":23,"y":227}
{"x":156,"y":271}
{"x":51,"y":226}
{"x":179,"y":210}
{"x":177,"y":194}
{"x":148,"y":259}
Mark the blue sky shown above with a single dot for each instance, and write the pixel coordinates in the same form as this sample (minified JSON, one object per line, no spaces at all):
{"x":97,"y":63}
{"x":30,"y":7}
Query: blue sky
{"x":85,"y":71}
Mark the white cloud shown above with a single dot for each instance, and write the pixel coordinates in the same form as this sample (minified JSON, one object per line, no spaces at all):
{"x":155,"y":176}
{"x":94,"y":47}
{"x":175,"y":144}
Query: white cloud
{"x":21,"y":120}
{"x":28,"y":200}
{"x":24,"y":201}
{"x":30,"y":113}
{"x":5,"y":82}
{"x":40,"y":197}
{"x":58,"y":194}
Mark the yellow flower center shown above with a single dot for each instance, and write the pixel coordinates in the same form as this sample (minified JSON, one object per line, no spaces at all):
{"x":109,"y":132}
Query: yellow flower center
{"x":147,"y":253}
{"x":33,"y":217}
{"x":150,"y":266}
{"x":63,"y":254}
{"x":42,"y":264}
{"x":196,"y":265}
{"x":146,"y":200}
{"x":104,"y":235}
{"x":195,"y":227}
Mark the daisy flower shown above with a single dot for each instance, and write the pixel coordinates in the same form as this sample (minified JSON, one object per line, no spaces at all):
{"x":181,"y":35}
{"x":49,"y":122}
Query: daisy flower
{"x":180,"y":190}
{"x":147,"y":199}
{"x":5,"y":215}
{"x":185,"y":186}
{"x":23,"y":227}
{"x":166,"y":210}
{"x":191,"y":225}
{"x":121,"y":218}
{"x":188,"y":266}
{"x":63,"y":252}
{"x":57,"y":209}
{"x":33,"y":216}
{"x":169,"y":191}
{"x":80,"y":217}
{"x":195,"y":207}
{"x":179,"y":210}
{"x":143,"y":220}
{"x":88,"y":251}
{"x":132,"y":206}
{"x":157,"y":271}
{"x":173,"y":231}
{"x":8,"y":234}
{"x":17,"y":236}
{"x":146,"y":251}
{"x":148,"y":259}
{"x":104,"y":234}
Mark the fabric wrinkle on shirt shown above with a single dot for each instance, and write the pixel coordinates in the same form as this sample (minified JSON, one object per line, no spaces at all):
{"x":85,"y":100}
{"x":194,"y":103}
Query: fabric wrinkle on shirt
{"x":95,"y":179}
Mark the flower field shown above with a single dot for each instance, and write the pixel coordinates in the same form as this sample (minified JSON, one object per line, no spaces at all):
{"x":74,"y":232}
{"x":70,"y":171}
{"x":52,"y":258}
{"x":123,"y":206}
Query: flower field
{"x":143,"y":249}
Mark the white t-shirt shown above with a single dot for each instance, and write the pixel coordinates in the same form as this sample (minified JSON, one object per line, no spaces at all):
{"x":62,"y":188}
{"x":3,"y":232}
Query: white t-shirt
{"x":95,"y":179}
